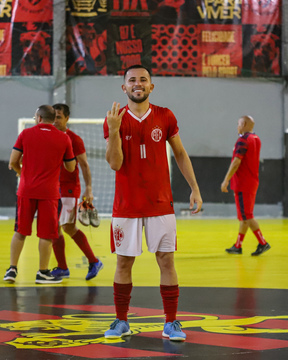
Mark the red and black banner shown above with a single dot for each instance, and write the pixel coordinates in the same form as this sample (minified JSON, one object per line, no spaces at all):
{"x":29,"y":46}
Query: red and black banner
{"x":212,"y":38}
{"x":203,"y":38}
{"x":26,"y":37}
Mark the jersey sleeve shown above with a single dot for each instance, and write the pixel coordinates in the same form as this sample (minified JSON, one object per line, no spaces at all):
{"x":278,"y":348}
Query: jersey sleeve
{"x":241,"y":148}
{"x":69,"y":154}
{"x":173,"y":128}
{"x":19,"y":143}
{"x":78,"y":146}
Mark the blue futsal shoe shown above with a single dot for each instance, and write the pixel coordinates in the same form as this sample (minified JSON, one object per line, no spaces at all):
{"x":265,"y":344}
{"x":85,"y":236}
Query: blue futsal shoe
{"x":118,"y":329}
{"x":173,"y":331}
{"x":93,"y":270}
{"x":58,"y":272}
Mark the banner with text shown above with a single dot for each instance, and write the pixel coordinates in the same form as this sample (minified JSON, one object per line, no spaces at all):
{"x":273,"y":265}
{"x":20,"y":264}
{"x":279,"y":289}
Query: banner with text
{"x":212,"y":38}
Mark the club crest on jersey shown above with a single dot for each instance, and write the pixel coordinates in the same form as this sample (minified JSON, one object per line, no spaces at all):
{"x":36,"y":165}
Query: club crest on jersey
{"x":156,"y":134}
{"x":118,"y":234}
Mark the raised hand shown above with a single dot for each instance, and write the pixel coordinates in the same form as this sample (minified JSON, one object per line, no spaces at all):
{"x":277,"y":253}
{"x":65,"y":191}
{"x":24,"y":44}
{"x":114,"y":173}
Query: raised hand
{"x":114,"y":119}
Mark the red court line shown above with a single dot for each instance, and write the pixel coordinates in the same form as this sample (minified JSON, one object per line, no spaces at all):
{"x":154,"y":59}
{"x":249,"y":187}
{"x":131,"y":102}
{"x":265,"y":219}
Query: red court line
{"x":23,"y":316}
{"x":232,"y":341}
{"x":99,"y":351}
{"x":8,"y":336}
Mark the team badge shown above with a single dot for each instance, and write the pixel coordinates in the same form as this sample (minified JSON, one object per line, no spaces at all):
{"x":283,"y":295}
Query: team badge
{"x":156,"y":134}
{"x":118,"y":234}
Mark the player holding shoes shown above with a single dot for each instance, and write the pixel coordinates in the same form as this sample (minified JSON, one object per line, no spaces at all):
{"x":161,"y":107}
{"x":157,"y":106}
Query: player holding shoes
{"x":88,"y":214}
{"x":43,"y":148}
{"x":70,"y":193}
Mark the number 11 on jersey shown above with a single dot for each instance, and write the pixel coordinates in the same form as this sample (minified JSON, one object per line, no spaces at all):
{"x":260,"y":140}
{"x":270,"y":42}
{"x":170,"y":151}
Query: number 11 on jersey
{"x":142,"y":151}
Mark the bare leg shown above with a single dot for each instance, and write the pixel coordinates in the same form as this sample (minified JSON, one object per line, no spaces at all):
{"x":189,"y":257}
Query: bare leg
{"x":45,"y":248}
{"x":70,"y":229}
{"x":123,"y":273}
{"x":253,"y":224}
{"x":243,"y":226}
{"x":167,"y":268}
{"x":16,"y":247}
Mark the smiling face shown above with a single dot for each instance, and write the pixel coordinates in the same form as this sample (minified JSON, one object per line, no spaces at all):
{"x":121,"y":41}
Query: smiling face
{"x":137,"y":85}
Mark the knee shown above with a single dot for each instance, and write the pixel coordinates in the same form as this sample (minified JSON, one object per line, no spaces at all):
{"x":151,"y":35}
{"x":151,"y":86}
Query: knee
{"x":69,"y":229}
{"x":165,"y":261}
{"x":124,"y":263}
{"x":19,"y":236}
{"x":244,"y":223}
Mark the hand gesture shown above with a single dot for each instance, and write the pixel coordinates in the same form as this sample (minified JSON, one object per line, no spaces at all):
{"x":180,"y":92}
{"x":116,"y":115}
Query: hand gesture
{"x":114,"y":119}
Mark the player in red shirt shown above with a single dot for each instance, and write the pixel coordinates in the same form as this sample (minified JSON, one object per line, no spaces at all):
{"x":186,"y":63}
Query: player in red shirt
{"x":136,"y":149}
{"x":244,"y":175}
{"x":70,"y":193}
{"x":42,"y":150}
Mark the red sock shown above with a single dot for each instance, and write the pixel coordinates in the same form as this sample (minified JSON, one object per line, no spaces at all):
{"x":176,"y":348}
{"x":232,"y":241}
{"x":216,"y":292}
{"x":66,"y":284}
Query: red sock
{"x":170,"y":296}
{"x":260,"y":237}
{"x":59,"y":251}
{"x":239,"y":240}
{"x":122,"y":298}
{"x":82,"y":242}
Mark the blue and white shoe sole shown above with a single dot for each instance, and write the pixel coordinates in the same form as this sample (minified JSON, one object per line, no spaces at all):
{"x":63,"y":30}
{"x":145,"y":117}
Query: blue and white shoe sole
{"x":175,"y":338}
{"x":117,"y":337}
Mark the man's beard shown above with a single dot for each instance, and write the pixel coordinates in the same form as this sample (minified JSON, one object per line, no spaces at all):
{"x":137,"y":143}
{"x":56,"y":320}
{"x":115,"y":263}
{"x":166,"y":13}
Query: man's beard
{"x":137,"y":100}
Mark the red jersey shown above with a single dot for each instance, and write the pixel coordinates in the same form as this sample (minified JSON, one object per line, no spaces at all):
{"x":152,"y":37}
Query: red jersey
{"x":70,"y":182}
{"x":44,"y":149}
{"x":142,"y":185}
{"x":246,"y":178}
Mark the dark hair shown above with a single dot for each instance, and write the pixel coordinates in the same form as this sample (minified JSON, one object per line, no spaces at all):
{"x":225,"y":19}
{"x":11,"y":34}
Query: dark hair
{"x":137,"y":66}
{"x":46,"y":112}
{"x":63,"y":107}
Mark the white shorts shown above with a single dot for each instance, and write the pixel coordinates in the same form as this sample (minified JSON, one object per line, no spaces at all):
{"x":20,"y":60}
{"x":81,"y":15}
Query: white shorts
{"x":160,"y":234}
{"x":68,"y":213}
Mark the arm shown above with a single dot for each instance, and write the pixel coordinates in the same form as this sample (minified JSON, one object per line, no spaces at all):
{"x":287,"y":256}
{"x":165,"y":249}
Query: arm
{"x":186,"y":168}
{"x":231,"y":171}
{"x":114,"y":153}
{"x":83,"y":162}
{"x":15,"y":161}
{"x":70,"y":165}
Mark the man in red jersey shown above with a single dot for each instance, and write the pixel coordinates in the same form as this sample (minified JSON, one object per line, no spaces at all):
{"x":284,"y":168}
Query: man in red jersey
{"x":244,"y":175}
{"x":70,"y":193}
{"x":42,"y":150}
{"x":136,"y":149}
